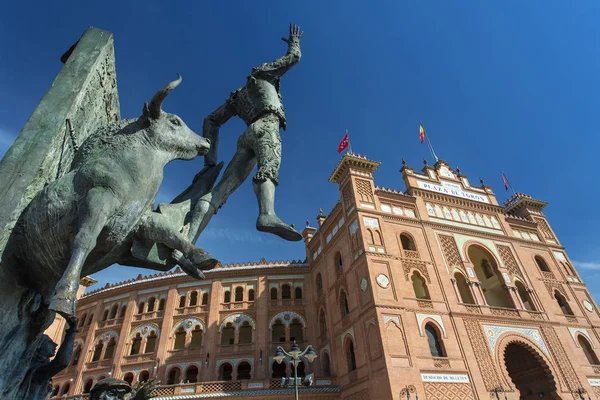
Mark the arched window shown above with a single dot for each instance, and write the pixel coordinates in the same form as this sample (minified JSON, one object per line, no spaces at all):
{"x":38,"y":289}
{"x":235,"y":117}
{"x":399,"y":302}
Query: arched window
{"x":141,"y":308}
{"x":587,"y":350}
{"x":82,"y":320}
{"x":136,"y":344}
{"x":407,"y":242}
{"x":245,"y":334}
{"x":65,"y":389}
{"x":344,"y":309}
{"x":151,"y":303}
{"x":541,"y":264}
{"x":278,"y":332}
{"x":88,"y":385}
{"x":243,"y":370}
{"x":143,"y":377}
{"x":123,"y":311}
{"x":227,"y":297}
{"x":181,"y":301}
{"x":298,"y":293}
{"x":466,"y":295}
{"x":370,"y":237}
{"x":128,"y":378}
{"x":524,"y":295}
{"x":228,"y":334}
{"x":286,"y":292}
{"x":562,"y":303}
{"x":338,"y":261}
{"x":492,"y":282}
{"x":191,"y":374}
{"x":113,"y":311}
{"x":179,"y":339}
{"x":322,"y":322}
{"x":161,"y":305}
{"x":325,"y":364}
{"x":419,"y":286}
{"x":251,"y":295}
{"x":204,"y":298}
{"x":319,"y":283}
{"x":76,"y":356}
{"x":296,"y":333}
{"x":436,"y":347}
{"x":350,"y":357}
{"x":105,"y":315}
{"x":225,"y":372}
{"x":278,"y":370}
{"x":196,"y":342}
{"x":54,"y":390}
{"x":150,"y":342}
{"x":98,"y":351}
{"x":193,"y":298}
{"x":110,"y":349}
{"x":174,"y":376}
{"x":90,"y":319}
{"x":274,"y":294}
{"x":239,"y":293}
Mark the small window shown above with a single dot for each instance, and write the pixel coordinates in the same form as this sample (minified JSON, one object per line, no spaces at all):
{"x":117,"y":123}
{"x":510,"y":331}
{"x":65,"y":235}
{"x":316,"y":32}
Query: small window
{"x":105,"y":315}
{"x":251,"y":295}
{"x":407,"y":242}
{"x":419,"y":286}
{"x":123,"y":311}
{"x":243,"y":371}
{"x":181,"y":301}
{"x":197,"y":334}
{"x":128,"y":378}
{"x":245,"y":333}
{"x":319,"y":283}
{"x":463,"y":289}
{"x":88,"y":386}
{"x":541,"y":264}
{"x":82,"y":320}
{"x":151,"y":304}
{"x":350,"y":356}
{"x":76,"y":356}
{"x":296,"y":332}
{"x":278,"y":332}
{"x":298,"y":293}
{"x":110,"y":349}
{"x":339,"y":264}
{"x":191,"y":374}
{"x":322,"y":322}
{"x":588,"y":350}
{"x":204,"y":298}
{"x":144,"y":376}
{"x":150,"y":342}
{"x":227,"y":297}
{"x":136,"y":345}
{"x":325,"y":364}
{"x":286,"y":292}
{"x":161,"y":305}
{"x":113,"y":311}
{"x":273,"y":293}
{"x":344,"y":309}
{"x":239,"y":293}
{"x":194,"y":298}
{"x":179,"y":339}
{"x":97,"y":351}
{"x":228,"y":335}
{"x":141,"y":308}
{"x":174,"y":376}
{"x":435,"y":345}
{"x":562,"y":303}
{"x":225,"y":372}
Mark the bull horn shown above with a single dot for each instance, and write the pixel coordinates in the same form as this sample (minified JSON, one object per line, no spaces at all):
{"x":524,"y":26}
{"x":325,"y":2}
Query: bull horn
{"x":155,"y":104}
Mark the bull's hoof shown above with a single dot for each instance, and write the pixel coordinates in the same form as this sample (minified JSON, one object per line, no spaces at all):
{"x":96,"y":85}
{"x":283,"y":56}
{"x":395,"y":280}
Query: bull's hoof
{"x":196,"y":264}
{"x":65,"y":307}
{"x":272,"y":224}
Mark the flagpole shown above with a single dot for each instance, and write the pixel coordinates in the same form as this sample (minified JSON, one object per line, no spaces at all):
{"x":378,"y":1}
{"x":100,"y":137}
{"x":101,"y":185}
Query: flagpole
{"x":349,"y":144}
{"x":429,"y":143}
{"x":507,"y":181}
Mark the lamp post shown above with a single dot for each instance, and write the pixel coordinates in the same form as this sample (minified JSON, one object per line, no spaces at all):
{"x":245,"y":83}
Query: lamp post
{"x":500,"y":390}
{"x":581,"y":392}
{"x":295,"y":353}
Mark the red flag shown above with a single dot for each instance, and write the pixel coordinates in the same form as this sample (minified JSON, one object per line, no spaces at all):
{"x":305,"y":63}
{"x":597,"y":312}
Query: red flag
{"x":505,"y":181}
{"x":421,"y":133}
{"x":344,"y":143}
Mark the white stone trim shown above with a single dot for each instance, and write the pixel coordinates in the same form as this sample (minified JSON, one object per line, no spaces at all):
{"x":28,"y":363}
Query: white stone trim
{"x":349,"y":331}
{"x":435,"y":317}
{"x":237,"y":320}
{"x":584,"y":332}
{"x":189,"y":324}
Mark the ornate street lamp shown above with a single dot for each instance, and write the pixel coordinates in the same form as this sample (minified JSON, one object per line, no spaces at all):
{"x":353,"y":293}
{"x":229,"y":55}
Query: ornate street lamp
{"x":295,"y":353}
{"x":581,"y":392}
{"x":500,"y":390}
{"x":407,"y":391}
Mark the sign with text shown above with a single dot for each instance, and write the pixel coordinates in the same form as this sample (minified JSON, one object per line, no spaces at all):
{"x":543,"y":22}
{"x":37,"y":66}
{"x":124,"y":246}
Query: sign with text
{"x":594,"y":381}
{"x":448,"y":378}
{"x":452,"y":189}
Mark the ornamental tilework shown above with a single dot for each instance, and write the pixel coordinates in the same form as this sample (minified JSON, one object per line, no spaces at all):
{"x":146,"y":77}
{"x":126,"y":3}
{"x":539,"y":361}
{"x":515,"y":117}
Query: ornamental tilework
{"x":450,"y":251}
{"x":489,"y":245}
{"x":560,"y":357}
{"x":421,"y":266}
{"x":493,"y":333}
{"x":287,"y":317}
{"x":551,"y":286}
{"x":237,"y":320}
{"x":448,"y":391}
{"x":482,"y":354}
{"x":145,"y":330}
{"x":106,"y":336}
{"x":365,"y":191}
{"x":189,"y":324}
{"x":509,"y":261}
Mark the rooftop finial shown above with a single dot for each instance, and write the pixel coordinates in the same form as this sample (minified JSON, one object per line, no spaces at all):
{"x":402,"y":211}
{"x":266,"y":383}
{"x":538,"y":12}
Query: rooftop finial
{"x":307,"y":223}
{"x":425,"y":161}
{"x":403,"y":162}
{"x":481,"y":181}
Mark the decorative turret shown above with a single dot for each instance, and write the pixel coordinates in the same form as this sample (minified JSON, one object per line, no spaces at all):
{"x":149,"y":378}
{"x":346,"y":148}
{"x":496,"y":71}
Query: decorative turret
{"x":321,"y":217}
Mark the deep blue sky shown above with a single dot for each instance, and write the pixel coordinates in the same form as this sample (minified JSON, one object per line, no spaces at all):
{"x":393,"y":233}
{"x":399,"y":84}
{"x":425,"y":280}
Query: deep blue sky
{"x":509,"y":85}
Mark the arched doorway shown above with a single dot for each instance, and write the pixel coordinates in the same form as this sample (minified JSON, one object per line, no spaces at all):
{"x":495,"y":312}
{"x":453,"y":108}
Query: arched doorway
{"x":529,"y":372}
{"x":492,"y":282}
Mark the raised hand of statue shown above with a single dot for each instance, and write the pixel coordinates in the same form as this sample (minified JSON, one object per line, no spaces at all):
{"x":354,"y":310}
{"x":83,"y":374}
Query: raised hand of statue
{"x":295,"y":35}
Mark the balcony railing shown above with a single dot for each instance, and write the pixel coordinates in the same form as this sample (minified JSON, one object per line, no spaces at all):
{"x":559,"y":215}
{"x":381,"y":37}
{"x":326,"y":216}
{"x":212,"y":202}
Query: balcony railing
{"x":504,"y":312}
{"x":148,"y":315}
{"x":237,"y":305}
{"x":110,"y":322}
{"x":136,"y":358}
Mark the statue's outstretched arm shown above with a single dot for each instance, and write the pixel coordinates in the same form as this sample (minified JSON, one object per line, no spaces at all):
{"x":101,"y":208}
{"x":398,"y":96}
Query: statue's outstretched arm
{"x":62,"y":358}
{"x":283,"y":64}
{"x":210,"y":130}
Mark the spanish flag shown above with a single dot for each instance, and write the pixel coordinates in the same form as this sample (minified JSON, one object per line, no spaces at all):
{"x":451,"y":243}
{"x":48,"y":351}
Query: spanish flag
{"x":421,"y":133}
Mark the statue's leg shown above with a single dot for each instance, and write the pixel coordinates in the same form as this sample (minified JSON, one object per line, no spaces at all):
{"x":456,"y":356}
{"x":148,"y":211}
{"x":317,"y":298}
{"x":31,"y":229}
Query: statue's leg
{"x":267,"y":146}
{"x":98,"y":206}
{"x":238,"y":170}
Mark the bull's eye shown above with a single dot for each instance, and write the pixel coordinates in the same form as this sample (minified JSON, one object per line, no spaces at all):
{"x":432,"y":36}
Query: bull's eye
{"x":175,"y":121}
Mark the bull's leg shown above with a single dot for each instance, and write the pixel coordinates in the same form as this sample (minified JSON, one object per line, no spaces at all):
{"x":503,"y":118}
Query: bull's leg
{"x":98,"y":206}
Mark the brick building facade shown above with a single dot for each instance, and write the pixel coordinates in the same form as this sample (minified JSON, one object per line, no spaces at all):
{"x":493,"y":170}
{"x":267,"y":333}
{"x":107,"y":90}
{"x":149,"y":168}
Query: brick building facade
{"x":437,"y":290}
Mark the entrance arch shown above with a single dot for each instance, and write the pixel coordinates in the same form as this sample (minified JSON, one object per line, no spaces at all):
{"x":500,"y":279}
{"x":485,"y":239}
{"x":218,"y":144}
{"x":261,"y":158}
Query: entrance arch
{"x":528,"y":372}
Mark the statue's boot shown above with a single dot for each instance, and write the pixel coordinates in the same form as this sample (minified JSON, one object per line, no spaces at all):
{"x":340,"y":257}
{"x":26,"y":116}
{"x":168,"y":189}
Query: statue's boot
{"x":267,"y":220}
{"x":200,"y":216}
